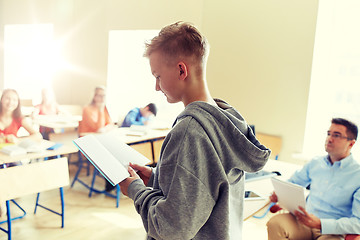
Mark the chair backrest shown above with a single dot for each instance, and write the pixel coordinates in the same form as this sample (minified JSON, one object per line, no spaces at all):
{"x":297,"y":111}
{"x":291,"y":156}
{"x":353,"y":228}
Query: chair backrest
{"x":64,"y":137}
{"x":272,"y":142}
{"x":72,"y":109}
{"x":352,"y":237}
{"x":26,"y":102}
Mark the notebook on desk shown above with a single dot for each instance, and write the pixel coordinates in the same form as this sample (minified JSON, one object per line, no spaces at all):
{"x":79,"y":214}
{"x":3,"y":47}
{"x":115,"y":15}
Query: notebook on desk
{"x":26,"y":146}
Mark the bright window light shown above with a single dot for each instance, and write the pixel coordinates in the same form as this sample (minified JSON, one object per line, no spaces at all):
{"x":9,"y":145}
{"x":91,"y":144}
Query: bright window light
{"x":130,"y":82}
{"x":335,"y":80}
{"x":31,"y":57}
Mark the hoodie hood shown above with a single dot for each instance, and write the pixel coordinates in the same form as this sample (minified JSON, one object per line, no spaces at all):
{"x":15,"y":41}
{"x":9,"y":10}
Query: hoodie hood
{"x":238,"y":146}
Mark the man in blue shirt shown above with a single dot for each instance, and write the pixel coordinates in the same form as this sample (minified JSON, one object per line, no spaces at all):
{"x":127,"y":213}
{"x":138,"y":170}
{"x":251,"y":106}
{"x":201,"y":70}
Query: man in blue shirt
{"x":333,"y":204}
{"x":139,"y":116}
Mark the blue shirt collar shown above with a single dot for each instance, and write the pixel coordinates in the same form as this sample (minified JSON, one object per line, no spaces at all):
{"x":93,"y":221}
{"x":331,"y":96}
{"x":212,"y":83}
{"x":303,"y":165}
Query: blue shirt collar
{"x":342,"y":163}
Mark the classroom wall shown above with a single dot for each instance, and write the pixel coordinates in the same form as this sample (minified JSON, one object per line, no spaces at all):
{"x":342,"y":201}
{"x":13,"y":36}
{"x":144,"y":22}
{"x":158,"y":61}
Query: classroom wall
{"x":260,"y":60}
{"x":261,"y":56}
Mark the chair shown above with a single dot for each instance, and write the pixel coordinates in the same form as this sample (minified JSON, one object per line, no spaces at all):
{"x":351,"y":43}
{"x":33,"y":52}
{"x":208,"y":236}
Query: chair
{"x":352,"y":237}
{"x":272,"y":142}
{"x":68,"y":137}
{"x":75,"y":110}
{"x":93,"y":189}
{"x":80,"y":163}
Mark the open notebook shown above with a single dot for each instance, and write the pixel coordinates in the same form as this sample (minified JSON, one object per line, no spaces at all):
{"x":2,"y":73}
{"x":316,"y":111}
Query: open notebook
{"x":110,"y":155}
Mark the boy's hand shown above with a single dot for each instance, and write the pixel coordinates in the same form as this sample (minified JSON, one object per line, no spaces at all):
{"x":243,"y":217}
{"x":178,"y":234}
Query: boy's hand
{"x":143,"y":171}
{"x":307,"y":219}
{"x":124,"y":185}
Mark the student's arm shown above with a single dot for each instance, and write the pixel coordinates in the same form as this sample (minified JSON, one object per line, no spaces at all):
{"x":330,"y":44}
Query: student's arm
{"x":130,"y":119}
{"x":108,"y":125}
{"x":29,"y":128}
{"x":344,"y":225}
{"x":89,"y":123}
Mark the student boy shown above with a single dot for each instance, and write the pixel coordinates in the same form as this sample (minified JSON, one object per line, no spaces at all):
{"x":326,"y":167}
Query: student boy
{"x":333,"y":204}
{"x":197,"y":189}
{"x":139,"y":116}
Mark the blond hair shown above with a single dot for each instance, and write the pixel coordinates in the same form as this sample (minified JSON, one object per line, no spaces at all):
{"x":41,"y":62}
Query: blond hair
{"x":177,"y":40}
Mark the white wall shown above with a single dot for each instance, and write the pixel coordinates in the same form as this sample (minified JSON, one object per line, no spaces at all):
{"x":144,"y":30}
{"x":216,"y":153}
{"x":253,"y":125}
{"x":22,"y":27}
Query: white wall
{"x":260,"y":62}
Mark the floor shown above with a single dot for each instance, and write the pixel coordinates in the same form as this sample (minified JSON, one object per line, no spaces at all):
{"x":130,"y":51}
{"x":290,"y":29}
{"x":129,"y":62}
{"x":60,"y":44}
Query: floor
{"x":90,"y":218}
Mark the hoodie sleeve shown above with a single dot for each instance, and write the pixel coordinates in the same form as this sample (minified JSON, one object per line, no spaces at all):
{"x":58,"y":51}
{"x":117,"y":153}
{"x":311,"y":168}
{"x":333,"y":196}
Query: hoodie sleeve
{"x":188,"y":187}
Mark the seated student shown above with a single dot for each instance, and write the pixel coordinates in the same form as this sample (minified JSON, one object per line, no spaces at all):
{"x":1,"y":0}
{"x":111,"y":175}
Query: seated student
{"x":95,"y":116}
{"x":333,"y":204}
{"x":11,"y":120}
{"x":48,"y":106}
{"x":140,"y":116}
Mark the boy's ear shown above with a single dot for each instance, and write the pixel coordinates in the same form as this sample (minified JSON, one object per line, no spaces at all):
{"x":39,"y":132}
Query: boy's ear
{"x":182,"y":70}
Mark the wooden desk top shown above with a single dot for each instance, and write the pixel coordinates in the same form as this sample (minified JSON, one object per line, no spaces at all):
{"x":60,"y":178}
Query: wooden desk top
{"x":131,"y":136}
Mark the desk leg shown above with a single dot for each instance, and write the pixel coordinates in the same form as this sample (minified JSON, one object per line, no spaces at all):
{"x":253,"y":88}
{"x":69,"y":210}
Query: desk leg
{"x":153,"y":152}
{"x":62,"y":214}
{"x":8,"y":219}
{"x":93,"y":182}
{"x":37,"y":201}
{"x":79,"y":169}
{"x":62,"y":207}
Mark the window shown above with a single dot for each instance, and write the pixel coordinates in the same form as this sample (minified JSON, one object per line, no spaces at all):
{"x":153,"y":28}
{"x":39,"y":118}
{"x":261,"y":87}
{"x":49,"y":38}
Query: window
{"x":31,"y":57}
{"x":130,"y":82}
{"x":335,"y":80}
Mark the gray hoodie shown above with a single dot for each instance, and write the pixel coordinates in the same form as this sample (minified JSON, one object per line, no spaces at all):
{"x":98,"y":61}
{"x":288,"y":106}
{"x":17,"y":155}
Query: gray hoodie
{"x":197,"y":189}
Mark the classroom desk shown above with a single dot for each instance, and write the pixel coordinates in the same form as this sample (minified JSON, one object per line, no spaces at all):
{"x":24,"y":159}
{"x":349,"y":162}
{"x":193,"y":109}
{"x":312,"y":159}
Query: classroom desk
{"x":58,"y":121}
{"x":132,"y":136}
{"x":264,"y":187}
{"x":34,"y":178}
{"x":154,"y":137}
{"x":65,"y":149}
